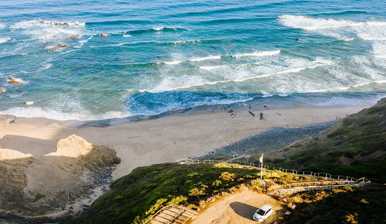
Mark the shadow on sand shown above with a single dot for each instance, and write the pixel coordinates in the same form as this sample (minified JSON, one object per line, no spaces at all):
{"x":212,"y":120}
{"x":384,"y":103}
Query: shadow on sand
{"x":243,"y":209}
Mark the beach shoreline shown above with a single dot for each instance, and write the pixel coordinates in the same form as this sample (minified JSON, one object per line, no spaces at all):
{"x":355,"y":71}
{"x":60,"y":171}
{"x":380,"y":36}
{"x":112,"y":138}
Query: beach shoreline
{"x":167,"y":138}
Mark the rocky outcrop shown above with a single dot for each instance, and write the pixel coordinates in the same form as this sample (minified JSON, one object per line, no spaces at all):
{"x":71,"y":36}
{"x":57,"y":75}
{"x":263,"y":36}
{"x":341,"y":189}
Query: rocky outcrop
{"x":37,"y":186}
{"x":72,"y":146}
{"x":87,"y":155}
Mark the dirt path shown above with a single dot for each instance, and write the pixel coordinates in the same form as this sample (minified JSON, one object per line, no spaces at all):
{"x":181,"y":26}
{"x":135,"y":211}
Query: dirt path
{"x":236,"y":208}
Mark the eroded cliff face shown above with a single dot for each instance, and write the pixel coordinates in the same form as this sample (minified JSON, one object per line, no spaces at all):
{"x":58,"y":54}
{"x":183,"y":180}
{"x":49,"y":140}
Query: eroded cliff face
{"x":13,"y":180}
{"x":48,"y":184}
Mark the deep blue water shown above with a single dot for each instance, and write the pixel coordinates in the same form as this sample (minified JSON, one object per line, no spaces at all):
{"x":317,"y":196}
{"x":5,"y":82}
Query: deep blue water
{"x":164,"y":55}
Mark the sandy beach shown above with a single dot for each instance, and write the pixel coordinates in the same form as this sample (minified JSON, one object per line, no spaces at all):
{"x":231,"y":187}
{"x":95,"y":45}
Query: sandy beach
{"x":164,"y":139}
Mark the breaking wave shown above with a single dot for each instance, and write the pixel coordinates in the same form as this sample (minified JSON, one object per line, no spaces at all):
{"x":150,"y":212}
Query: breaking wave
{"x":193,"y":59}
{"x":182,"y":42}
{"x":4,"y":40}
{"x":157,"y":29}
{"x":51,"y":30}
{"x":255,"y":54}
{"x":233,"y":75}
{"x":346,"y":30}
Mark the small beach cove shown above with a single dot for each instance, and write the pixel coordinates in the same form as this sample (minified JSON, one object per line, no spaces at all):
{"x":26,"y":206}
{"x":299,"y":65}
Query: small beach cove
{"x":165,"y":139}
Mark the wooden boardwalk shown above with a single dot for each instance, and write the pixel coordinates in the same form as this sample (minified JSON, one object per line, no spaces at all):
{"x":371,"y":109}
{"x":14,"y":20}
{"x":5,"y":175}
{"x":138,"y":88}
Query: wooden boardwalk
{"x":173,"y":215}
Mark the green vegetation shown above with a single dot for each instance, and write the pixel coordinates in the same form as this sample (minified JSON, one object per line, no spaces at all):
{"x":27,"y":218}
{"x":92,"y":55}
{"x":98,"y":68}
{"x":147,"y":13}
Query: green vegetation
{"x":341,"y":206}
{"x":145,"y":190}
{"x":355,"y":146}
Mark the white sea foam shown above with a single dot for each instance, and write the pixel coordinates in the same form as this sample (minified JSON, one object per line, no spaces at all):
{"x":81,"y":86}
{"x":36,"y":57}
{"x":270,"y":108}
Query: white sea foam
{"x":38,"y":112}
{"x":170,"y":83}
{"x":343,"y":88}
{"x":4,"y":40}
{"x":84,"y":41}
{"x":159,"y":28}
{"x":367,"y":83}
{"x":186,"y":42}
{"x":257,"y":54}
{"x":347,"y":30}
{"x":206,"y":58}
{"x":212,"y":67}
{"x":2,"y":26}
{"x":162,"y":28}
{"x":46,"y":66}
{"x":51,"y":30}
{"x":193,"y":59}
{"x":379,"y":49}
{"x":218,"y":57}
{"x":173,"y":62}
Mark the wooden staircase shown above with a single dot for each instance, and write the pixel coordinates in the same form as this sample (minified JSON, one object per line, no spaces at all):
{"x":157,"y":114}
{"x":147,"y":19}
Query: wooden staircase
{"x":173,"y":214}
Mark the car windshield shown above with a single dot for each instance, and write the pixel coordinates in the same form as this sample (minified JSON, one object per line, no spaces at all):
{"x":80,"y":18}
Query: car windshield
{"x":260,"y":212}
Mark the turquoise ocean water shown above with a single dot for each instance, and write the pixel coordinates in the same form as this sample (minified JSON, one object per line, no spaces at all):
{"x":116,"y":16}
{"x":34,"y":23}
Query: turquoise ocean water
{"x":159,"y":56}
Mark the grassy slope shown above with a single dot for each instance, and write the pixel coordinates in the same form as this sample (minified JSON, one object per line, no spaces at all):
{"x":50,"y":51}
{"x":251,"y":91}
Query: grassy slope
{"x":355,"y":146}
{"x":360,"y":206}
{"x":146,"y":188}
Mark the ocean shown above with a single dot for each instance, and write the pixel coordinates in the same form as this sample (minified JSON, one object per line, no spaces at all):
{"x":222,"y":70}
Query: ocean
{"x":96,"y":59}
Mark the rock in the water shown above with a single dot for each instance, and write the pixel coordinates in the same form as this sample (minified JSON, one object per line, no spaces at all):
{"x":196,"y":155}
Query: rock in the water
{"x":104,"y":34}
{"x":15,"y":81}
{"x":57,"y":47}
{"x":10,"y":154}
{"x":72,"y":146}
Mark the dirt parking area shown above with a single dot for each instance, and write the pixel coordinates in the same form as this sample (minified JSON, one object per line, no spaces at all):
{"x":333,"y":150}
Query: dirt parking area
{"x":237,"y":208}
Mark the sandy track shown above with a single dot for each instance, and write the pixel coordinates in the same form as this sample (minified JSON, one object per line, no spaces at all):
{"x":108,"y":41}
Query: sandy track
{"x":236,"y":208}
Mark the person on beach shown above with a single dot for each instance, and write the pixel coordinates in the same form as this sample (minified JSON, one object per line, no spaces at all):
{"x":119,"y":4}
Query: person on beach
{"x":231,"y":112}
{"x":261,"y":116}
{"x":250,"y":110}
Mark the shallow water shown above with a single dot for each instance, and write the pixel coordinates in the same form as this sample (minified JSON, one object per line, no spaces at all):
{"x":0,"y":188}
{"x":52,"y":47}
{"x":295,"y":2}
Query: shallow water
{"x":165,"y":55}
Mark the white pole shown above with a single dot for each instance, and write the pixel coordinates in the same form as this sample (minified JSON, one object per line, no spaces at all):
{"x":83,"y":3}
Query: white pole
{"x":261,"y":165}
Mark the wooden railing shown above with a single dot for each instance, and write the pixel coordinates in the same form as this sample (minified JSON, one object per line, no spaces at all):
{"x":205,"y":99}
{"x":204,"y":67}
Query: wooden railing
{"x":256,"y":165}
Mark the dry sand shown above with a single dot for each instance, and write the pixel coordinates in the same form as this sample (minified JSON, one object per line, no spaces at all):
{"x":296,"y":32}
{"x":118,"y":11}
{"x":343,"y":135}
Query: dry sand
{"x":166,"y":139}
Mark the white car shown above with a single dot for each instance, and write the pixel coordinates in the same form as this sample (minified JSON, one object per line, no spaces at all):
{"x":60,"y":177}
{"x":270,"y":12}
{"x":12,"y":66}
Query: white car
{"x":262,"y":213}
